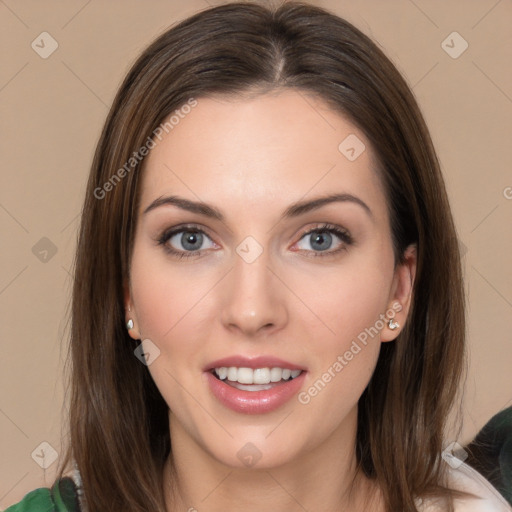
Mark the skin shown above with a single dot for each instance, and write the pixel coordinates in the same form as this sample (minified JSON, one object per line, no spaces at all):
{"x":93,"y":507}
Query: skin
{"x":251,"y":158}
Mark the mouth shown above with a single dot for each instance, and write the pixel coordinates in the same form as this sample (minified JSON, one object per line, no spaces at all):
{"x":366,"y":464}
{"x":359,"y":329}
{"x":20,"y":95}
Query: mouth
{"x":254,"y":386}
{"x":258,"y":379}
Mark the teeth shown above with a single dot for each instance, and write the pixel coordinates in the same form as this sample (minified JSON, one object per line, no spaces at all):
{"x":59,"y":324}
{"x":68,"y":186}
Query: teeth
{"x":232,"y":373}
{"x":260,"y":376}
{"x":257,"y":376}
{"x":276,"y":374}
{"x":222,"y":373}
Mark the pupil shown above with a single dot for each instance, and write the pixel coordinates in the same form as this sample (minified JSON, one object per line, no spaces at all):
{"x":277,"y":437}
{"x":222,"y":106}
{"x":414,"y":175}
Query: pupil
{"x":190,"y":239}
{"x":323,"y":236}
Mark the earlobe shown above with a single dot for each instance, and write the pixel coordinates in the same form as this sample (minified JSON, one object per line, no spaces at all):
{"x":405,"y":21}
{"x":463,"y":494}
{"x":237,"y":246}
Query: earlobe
{"x":401,"y":294}
{"x":131,"y":326}
{"x":130,"y":317}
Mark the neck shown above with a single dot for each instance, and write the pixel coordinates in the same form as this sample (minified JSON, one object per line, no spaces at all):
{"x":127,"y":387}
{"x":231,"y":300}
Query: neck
{"x":321,"y":478}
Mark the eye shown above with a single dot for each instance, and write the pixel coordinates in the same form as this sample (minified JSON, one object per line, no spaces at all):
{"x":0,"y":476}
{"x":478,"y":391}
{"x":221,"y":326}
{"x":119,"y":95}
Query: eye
{"x":321,"y":239}
{"x":185,"y":241}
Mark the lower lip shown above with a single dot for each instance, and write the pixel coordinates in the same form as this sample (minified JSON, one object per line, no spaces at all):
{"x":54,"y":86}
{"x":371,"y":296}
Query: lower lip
{"x":254,"y":402}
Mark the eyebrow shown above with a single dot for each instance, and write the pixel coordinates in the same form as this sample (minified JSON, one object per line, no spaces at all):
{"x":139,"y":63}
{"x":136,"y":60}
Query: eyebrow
{"x":294,"y":210}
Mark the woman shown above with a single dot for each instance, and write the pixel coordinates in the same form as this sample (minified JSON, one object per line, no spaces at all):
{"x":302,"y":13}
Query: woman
{"x":268,"y":308}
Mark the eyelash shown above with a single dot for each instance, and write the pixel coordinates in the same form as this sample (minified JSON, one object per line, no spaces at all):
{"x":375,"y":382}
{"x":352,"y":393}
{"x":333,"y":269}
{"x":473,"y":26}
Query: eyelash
{"x":343,"y":235}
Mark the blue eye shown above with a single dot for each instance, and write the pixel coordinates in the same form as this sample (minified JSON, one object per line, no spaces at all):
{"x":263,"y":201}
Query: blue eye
{"x":322,"y":238}
{"x":190,"y":239}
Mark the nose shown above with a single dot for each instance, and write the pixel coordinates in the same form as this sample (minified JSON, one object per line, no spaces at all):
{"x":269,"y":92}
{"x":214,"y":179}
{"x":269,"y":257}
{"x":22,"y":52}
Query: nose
{"x":254,"y":301}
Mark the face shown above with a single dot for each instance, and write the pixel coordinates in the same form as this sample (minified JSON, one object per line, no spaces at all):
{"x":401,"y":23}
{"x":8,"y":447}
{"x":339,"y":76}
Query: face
{"x":264,"y":276}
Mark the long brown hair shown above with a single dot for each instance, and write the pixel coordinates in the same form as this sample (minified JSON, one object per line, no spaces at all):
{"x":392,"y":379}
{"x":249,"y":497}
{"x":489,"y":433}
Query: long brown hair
{"x":119,"y":434}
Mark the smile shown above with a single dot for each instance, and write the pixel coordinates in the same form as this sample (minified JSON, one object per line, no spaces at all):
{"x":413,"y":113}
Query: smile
{"x":254,"y":385}
{"x":257,"y":379}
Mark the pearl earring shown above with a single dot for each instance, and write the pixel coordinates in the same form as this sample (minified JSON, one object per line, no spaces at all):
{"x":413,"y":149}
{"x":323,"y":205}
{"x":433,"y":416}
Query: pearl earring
{"x":129,"y":324}
{"x":393,"y":325}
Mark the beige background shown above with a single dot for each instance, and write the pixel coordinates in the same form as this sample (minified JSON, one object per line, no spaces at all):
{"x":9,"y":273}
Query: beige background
{"x":52,"y":111}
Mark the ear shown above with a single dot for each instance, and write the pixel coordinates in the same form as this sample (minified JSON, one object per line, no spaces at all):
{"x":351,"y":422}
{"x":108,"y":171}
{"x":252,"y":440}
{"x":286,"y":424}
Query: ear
{"x":130,"y":313}
{"x":401,"y":293}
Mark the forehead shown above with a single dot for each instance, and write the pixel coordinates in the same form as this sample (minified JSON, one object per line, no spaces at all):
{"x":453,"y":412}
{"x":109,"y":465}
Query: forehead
{"x":269,"y":150}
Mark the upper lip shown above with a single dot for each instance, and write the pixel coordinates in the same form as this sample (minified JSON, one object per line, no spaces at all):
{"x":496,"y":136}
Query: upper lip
{"x":253,"y":362}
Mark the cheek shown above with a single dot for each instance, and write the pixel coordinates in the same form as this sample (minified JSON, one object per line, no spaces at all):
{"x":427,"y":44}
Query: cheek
{"x":169,"y":308}
{"x":174,"y":307}
{"x":345,"y":348}
{"x":156,"y":305}
{"x":347,"y":300}
{"x":165,"y":296}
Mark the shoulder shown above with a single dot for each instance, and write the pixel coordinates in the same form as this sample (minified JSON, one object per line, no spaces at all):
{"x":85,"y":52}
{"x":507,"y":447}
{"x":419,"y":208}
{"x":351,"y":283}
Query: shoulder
{"x":486,"y":498}
{"x":61,"y":497}
{"x":481,"y":496}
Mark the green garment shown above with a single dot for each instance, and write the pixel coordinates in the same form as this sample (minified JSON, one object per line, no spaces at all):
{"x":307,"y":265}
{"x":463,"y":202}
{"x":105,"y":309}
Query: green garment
{"x":62,"y":497}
